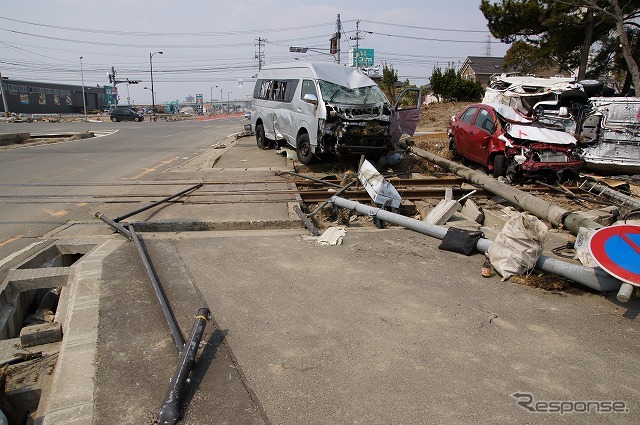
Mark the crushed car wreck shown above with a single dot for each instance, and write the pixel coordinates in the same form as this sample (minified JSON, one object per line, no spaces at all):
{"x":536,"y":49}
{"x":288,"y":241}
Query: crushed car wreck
{"x":324,"y":108}
{"x":607,"y":128}
{"x":512,"y":145}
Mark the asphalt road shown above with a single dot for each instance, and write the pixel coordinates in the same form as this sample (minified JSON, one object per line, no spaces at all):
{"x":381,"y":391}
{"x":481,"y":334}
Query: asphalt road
{"x":44,"y":186}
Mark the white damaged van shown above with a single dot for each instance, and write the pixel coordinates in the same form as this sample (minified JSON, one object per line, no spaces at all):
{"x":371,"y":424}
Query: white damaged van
{"x":325,"y":108}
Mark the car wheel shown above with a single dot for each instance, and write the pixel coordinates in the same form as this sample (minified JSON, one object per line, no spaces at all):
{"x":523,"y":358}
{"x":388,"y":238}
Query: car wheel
{"x":114,"y":119}
{"x":453,"y":148}
{"x":260,"y":137}
{"x":303,"y":149}
{"x":137,"y":119}
{"x":499,"y":165}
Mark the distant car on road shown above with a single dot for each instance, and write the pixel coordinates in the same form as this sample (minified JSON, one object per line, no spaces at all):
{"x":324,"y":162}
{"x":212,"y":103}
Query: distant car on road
{"x":125,"y":114}
{"x":510,"y":144}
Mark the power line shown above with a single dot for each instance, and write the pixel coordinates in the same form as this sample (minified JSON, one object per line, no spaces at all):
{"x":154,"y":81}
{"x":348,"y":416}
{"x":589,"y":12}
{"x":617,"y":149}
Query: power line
{"x":424,"y":28}
{"x":169,"y":34}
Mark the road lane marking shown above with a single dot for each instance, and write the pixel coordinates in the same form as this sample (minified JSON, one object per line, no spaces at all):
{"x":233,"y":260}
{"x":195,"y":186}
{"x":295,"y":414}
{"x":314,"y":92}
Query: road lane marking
{"x":15,"y":254}
{"x":13,"y":239}
{"x":150,"y":170}
{"x":60,"y":213}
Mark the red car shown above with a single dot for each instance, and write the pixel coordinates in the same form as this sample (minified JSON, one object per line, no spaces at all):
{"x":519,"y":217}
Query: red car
{"x":510,"y":144}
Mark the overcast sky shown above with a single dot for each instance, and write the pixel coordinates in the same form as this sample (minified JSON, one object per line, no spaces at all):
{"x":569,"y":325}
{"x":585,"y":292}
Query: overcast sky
{"x":210,"y":43}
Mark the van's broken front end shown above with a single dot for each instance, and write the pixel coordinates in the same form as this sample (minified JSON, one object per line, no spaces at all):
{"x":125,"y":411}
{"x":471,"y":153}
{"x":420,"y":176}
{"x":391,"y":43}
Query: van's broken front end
{"x":356,"y":129}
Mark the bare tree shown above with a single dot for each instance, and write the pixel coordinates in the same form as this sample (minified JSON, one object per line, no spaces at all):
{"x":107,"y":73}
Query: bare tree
{"x":622,"y":18}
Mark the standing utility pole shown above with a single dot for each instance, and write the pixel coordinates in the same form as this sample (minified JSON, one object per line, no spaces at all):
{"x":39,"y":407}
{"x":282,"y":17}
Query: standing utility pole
{"x":153,"y":97}
{"x":84,"y":97}
{"x":357,"y":38}
{"x":260,"y":54}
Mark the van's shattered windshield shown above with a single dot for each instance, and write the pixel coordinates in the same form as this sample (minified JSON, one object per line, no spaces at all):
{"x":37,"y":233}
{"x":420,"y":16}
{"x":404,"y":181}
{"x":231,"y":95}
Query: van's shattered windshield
{"x":370,"y":95}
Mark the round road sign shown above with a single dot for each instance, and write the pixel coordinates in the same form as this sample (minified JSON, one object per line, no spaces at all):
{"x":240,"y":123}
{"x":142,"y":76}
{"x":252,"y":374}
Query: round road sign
{"x":617,"y":250}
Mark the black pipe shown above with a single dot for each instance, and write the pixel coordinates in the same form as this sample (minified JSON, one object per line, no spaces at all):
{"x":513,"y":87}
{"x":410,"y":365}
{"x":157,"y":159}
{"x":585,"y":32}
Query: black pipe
{"x":169,"y":412}
{"x":174,"y":329}
{"x":124,"y":232}
{"x":308,"y":224}
{"x":153,"y":204}
{"x":308,"y":178}
{"x":338,"y":193}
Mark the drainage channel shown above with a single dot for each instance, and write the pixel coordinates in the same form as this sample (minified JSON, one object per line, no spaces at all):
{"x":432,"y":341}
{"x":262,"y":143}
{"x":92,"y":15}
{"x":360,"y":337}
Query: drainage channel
{"x":31,"y":326}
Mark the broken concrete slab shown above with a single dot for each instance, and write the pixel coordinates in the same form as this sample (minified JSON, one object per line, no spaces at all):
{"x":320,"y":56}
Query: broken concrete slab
{"x":44,"y":333}
{"x":472,"y":212}
{"x":495,"y":218}
{"x":602,"y":216}
{"x":422,"y":208}
{"x":332,"y":236}
{"x":448,"y":194}
{"x":442,"y":212}
{"x":459,"y":221}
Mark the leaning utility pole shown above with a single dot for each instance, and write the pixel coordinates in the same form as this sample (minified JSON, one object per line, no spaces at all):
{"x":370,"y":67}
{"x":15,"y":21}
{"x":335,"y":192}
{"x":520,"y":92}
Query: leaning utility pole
{"x":338,"y":36}
{"x":4,"y":97}
{"x":260,"y":54}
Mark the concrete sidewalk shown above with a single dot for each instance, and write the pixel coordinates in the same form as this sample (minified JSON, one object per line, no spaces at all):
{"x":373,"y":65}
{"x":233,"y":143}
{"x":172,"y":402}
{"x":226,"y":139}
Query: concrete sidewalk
{"x":373,"y":331}
{"x":385,"y":328}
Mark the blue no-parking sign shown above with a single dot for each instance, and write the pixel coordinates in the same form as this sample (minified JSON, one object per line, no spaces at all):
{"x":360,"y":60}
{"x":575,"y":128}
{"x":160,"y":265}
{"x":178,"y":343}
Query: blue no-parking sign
{"x":617,"y":250}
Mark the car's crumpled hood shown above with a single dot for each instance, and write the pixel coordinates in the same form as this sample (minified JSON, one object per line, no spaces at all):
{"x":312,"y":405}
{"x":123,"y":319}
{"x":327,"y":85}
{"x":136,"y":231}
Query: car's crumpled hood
{"x":538,"y":134}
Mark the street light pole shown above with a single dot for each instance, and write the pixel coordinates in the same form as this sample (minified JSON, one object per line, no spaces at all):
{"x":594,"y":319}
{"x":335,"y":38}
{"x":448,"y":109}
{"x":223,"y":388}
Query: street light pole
{"x":84,"y":98}
{"x":221,"y":100}
{"x":153,"y":98}
{"x":228,"y":106}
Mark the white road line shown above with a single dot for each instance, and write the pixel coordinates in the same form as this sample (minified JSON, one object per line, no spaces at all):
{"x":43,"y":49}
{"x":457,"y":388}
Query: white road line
{"x":15,"y":254}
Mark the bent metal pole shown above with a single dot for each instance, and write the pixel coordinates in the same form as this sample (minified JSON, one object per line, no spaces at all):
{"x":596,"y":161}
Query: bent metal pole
{"x":153,"y":204}
{"x":174,"y":329}
{"x":169,"y":412}
{"x":594,"y":278}
{"x":555,"y":214}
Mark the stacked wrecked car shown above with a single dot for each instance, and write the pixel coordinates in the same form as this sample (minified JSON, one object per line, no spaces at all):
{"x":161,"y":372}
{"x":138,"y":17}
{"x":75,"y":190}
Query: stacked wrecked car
{"x":606,"y":126}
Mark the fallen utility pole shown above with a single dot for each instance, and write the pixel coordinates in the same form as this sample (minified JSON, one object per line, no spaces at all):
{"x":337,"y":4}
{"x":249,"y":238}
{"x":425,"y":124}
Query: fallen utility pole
{"x":174,"y":329}
{"x":154,"y":204}
{"x":556,"y":215}
{"x":594,"y":278}
{"x":169,"y":412}
{"x":592,"y":186}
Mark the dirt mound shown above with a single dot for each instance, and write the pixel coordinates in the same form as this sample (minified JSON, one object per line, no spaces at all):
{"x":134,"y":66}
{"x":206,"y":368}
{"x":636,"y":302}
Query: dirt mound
{"x":437,"y":116}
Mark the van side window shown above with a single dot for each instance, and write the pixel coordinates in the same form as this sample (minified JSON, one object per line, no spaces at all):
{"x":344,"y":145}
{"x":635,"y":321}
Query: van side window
{"x":278,"y":90}
{"x":308,"y":87}
{"x":265,"y":89}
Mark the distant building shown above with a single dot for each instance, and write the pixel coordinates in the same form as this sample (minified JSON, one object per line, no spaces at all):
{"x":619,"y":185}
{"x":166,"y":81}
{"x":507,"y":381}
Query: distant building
{"x":481,"y":68}
{"x":30,"y":97}
{"x":190,"y":99}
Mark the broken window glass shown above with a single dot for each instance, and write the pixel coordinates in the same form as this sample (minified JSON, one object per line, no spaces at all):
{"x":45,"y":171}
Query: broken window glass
{"x":336,"y":93}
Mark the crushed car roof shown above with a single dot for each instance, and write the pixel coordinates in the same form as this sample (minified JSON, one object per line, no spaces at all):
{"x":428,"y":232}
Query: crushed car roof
{"x":334,"y":73}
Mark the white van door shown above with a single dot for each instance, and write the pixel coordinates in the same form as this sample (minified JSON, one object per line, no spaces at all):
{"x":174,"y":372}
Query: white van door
{"x":307,"y":111}
{"x":406,"y":113}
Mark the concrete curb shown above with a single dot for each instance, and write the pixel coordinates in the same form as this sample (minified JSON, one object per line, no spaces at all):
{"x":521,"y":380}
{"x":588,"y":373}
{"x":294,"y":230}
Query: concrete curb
{"x":71,"y":395}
